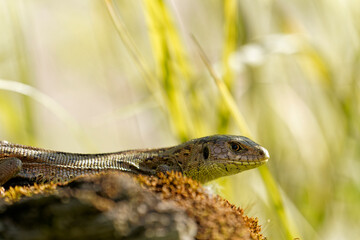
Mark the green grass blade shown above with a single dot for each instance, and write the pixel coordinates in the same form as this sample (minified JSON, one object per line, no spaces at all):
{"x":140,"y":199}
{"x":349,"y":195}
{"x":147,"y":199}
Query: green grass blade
{"x":48,"y":103}
{"x":269,"y":181}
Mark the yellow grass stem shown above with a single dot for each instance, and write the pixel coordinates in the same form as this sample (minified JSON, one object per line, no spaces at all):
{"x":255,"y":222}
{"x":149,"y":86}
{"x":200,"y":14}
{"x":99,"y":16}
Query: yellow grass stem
{"x":269,"y":181}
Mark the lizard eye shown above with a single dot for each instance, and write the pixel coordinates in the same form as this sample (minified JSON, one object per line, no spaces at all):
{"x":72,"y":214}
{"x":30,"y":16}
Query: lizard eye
{"x":236,"y":147}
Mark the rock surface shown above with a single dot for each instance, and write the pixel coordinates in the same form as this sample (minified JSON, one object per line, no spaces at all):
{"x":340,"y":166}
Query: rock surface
{"x":109,"y":206}
{"x":116,"y":206}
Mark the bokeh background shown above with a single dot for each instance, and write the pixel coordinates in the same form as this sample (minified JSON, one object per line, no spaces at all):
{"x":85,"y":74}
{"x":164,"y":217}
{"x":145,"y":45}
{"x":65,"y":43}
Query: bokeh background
{"x":98,"y":76}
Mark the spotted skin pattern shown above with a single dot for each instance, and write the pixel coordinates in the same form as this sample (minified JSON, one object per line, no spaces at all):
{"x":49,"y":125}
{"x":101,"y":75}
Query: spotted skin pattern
{"x":203,"y":159}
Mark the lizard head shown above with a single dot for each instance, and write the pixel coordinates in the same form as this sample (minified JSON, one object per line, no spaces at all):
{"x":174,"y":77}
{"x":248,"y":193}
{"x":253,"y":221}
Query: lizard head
{"x":208,"y":158}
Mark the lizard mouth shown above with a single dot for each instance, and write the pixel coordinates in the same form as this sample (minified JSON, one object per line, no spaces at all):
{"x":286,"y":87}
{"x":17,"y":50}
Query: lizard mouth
{"x":256,"y":162}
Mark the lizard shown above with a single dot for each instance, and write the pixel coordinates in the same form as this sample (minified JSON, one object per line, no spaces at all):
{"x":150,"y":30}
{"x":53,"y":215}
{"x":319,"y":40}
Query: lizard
{"x":203,"y":159}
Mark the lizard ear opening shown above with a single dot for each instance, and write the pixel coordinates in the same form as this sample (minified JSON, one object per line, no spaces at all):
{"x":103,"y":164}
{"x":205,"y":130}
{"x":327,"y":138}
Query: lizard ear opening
{"x":206,"y":152}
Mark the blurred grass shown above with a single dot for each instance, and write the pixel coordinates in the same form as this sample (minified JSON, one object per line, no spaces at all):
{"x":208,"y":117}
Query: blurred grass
{"x":286,"y":71}
{"x":232,"y":33}
{"x":229,"y":106}
{"x":21,"y":66}
{"x":41,"y":98}
{"x":171,"y":67}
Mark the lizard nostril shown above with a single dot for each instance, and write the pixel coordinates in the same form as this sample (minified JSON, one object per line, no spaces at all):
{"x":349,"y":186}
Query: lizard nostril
{"x":263,"y":152}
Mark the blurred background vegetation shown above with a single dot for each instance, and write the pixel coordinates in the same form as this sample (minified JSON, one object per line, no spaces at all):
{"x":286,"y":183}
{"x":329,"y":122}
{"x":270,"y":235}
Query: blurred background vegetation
{"x":91,"y":76}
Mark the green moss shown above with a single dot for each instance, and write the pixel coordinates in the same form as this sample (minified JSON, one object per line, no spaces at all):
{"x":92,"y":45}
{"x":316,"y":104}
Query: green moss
{"x":215,"y":216}
{"x":14,"y":194}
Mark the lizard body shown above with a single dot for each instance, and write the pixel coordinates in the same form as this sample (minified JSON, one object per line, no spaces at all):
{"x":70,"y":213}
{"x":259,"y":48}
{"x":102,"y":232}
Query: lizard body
{"x":203,"y":159}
